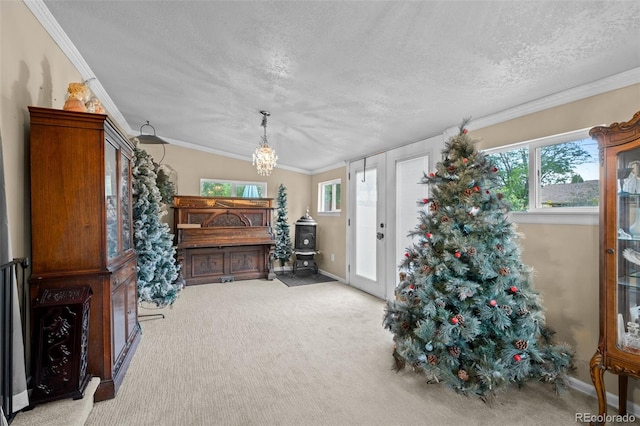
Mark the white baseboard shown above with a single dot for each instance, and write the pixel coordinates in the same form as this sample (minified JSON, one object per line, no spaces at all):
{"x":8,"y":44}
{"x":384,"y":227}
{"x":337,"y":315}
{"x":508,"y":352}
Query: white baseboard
{"x":612,"y":400}
{"x":335,"y":277}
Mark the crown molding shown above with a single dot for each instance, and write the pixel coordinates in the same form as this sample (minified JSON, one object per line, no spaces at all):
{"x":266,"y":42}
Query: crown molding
{"x":46,"y":19}
{"x":577,"y":93}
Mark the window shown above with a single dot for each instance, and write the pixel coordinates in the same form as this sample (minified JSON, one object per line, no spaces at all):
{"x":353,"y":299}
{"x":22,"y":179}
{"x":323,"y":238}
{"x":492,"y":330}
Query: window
{"x":558,"y":172}
{"x":232,"y":188}
{"x":329,"y":196}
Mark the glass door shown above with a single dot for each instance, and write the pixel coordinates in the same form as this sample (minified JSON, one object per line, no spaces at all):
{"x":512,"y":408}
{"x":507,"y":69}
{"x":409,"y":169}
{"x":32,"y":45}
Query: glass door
{"x":367,"y":225}
{"x":627,"y":287}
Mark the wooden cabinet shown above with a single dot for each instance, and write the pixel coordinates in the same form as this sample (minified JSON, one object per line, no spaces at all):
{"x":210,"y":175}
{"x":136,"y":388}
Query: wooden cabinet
{"x":619,"y":344}
{"x":81,"y":230}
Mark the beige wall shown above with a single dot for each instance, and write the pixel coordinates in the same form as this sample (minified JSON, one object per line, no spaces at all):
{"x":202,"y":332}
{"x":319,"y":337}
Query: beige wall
{"x":332,"y":230}
{"x":33,"y":71}
{"x":564,"y":257}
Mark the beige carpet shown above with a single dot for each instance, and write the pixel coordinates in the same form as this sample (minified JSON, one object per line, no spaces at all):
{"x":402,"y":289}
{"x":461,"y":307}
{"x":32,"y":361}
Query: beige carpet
{"x":261,"y":353}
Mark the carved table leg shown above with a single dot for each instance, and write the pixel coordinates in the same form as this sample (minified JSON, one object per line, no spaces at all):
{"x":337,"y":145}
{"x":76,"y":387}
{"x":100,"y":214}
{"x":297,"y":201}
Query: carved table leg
{"x":597,"y":376}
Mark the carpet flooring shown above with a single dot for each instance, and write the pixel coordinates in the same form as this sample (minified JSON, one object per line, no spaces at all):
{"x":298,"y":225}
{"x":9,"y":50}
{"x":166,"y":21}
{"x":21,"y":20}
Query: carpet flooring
{"x":306,"y":278}
{"x":256,"y":353}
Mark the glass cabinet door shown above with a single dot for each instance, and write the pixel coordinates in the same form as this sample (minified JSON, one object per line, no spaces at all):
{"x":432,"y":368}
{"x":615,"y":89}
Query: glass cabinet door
{"x":111,"y":194}
{"x":125,"y":170}
{"x":628,"y":262}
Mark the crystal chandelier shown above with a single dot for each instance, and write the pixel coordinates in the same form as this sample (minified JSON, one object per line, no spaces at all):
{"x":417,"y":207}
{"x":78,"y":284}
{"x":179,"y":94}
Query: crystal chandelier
{"x":264,"y":158}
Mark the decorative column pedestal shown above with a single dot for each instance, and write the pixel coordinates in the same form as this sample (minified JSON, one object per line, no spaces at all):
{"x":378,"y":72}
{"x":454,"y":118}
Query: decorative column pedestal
{"x":60,"y":347}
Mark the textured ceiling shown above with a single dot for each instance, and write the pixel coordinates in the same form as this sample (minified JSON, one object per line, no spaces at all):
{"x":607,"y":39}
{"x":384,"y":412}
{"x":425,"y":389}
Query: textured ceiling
{"x":341,"y":79}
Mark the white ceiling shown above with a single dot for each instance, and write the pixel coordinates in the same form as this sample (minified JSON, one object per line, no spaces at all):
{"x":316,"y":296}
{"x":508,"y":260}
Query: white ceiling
{"x":342,"y":79}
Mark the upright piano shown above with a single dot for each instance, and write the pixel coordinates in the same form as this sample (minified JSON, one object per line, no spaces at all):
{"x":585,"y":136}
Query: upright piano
{"x":223,"y":239}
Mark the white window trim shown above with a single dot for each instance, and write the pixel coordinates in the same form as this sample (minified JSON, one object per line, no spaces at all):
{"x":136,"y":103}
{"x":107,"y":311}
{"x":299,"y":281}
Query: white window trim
{"x":558,"y":215}
{"x":321,"y":185}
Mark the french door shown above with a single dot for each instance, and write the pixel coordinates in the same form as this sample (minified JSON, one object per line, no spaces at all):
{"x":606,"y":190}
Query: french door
{"x":382,"y":209}
{"x":367,"y":226}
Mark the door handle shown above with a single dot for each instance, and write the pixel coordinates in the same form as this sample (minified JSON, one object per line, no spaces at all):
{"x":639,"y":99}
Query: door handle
{"x":380,"y":235}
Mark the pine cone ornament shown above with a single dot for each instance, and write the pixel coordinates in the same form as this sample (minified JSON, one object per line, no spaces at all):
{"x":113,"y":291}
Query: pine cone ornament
{"x":471,"y":251}
{"x":507,"y":309}
{"x":460,"y":319}
{"x":405,"y":326}
{"x":440,"y":303}
{"x":454,"y":351}
{"x":432,"y":359}
{"x":522,"y":344}
{"x":468,"y":192}
{"x":500,"y":248}
{"x":522,"y":311}
{"x":504,"y":271}
{"x":444,"y":219}
{"x":463,"y":375}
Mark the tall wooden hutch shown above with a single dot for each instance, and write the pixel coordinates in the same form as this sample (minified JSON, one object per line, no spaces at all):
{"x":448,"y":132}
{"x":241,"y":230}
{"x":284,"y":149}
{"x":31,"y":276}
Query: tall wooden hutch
{"x":81,"y":230}
{"x":619,"y":344}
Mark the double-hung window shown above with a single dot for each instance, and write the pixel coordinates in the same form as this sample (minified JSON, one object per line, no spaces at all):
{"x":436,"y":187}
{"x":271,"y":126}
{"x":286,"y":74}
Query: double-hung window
{"x":557,"y":174}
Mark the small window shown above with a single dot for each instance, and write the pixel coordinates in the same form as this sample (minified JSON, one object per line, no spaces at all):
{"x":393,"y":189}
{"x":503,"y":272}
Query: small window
{"x":559,"y":172}
{"x":228,"y":188}
{"x":329,"y":196}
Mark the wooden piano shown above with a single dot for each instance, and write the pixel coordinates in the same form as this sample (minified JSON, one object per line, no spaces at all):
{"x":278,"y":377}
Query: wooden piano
{"x":223,"y":239}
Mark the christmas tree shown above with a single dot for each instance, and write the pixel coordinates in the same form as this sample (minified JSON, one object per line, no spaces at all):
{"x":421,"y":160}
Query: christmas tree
{"x":158,"y":271}
{"x":465,"y":312}
{"x":283,"y":240}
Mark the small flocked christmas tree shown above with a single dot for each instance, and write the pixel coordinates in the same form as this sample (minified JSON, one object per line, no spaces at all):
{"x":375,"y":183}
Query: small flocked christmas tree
{"x":465,"y":312}
{"x":283,"y":248}
{"x":158,"y":272}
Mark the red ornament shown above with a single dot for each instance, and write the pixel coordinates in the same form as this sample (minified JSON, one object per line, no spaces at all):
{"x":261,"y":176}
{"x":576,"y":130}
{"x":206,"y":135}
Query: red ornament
{"x":454,"y":320}
{"x":465,"y":160}
{"x":412,"y":286}
{"x":493,"y":303}
{"x":517,"y":357}
{"x":406,"y":255}
{"x":487,"y":191}
{"x":495,"y":169}
{"x":425,"y":200}
{"x":476,"y":188}
{"x":464,"y":131}
{"x":457,"y":254}
{"x":431,"y":174}
{"x":428,"y":235}
{"x":513,"y":289}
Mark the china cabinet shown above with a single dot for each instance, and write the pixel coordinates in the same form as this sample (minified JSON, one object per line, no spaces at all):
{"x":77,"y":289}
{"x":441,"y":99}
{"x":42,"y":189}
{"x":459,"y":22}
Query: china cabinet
{"x":619,"y":344}
{"x":81,"y":230}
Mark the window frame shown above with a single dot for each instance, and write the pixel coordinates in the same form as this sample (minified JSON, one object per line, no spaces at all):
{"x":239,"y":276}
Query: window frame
{"x":536,"y":213}
{"x":321,"y":205}
{"x":234,"y":184}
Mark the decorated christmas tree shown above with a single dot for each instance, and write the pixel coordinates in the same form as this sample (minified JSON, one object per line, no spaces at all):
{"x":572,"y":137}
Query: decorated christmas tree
{"x":283,"y":248}
{"x":465,"y":312}
{"x":158,"y":272}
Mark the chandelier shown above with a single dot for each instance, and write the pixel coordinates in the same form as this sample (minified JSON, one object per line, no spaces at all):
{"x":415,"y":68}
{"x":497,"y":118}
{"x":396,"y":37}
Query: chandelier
{"x":264,"y":158}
